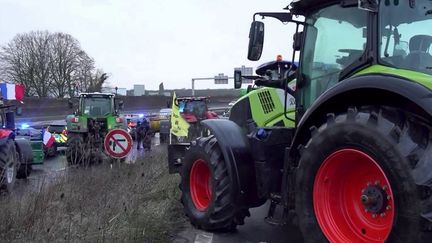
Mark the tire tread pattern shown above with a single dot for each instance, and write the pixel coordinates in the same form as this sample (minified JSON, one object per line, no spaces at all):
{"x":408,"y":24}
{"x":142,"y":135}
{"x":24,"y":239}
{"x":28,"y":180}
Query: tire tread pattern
{"x":411,"y":135}
{"x":222,"y":214}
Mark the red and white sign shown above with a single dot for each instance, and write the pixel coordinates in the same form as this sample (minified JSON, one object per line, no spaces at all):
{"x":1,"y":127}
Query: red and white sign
{"x":118,"y":143}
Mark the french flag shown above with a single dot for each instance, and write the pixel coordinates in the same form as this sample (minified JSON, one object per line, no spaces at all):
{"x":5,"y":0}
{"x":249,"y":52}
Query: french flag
{"x":12,"y":91}
{"x":48,"y":139}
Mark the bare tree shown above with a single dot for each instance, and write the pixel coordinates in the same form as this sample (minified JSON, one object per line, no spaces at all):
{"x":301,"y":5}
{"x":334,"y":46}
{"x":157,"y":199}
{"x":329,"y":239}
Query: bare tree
{"x":65,"y":52}
{"x":98,"y":80}
{"x":85,"y":73}
{"x":49,"y":65}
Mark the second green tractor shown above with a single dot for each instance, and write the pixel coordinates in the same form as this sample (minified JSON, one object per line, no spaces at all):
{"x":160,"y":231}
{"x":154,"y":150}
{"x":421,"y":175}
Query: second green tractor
{"x":95,"y":115}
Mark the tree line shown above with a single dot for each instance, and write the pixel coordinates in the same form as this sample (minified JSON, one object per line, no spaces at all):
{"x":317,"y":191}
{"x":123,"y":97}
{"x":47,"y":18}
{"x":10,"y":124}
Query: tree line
{"x":49,"y":65}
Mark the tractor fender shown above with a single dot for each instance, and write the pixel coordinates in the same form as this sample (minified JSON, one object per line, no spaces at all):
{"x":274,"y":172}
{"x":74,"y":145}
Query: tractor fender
{"x":238,"y":157}
{"x":5,"y":135}
{"x":25,"y":150}
{"x":368,"y":89}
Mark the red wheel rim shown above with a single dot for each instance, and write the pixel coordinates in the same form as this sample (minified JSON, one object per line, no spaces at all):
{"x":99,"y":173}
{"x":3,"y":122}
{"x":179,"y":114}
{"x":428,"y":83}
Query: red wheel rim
{"x":200,"y":185}
{"x":352,"y":198}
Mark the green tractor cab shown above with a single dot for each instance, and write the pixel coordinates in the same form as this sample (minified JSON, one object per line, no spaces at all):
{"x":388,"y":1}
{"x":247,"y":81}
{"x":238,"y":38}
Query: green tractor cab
{"x":95,"y":115}
{"x":353,"y":164}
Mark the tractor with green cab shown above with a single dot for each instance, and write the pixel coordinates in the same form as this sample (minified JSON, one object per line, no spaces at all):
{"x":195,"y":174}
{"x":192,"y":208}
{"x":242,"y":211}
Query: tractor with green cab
{"x":352,"y":161}
{"x":95,"y":115}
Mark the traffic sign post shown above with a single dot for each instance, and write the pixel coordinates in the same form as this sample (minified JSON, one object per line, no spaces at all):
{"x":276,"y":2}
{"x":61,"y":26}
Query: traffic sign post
{"x":118,"y":143}
{"x":219,"y":79}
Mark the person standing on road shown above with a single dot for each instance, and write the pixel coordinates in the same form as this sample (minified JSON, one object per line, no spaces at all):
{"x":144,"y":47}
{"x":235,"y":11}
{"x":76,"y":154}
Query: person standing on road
{"x":140,"y":131}
{"x":147,"y":137}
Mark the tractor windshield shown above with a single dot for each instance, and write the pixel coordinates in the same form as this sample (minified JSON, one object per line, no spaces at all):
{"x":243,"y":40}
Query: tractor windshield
{"x":335,"y":38}
{"x":96,"y":106}
{"x":405,"y":34}
{"x":198,"y":107}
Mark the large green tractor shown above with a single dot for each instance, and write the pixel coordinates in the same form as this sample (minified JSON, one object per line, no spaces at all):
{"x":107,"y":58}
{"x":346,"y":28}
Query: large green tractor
{"x":355,"y":165}
{"x":96,"y":114}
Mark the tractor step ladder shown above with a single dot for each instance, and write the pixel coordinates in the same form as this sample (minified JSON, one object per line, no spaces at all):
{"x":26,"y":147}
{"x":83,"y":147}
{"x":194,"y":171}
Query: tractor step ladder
{"x":277,"y":214}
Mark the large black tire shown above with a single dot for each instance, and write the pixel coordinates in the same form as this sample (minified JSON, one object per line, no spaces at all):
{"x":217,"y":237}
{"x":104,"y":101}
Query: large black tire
{"x":221,"y":212}
{"x":8,"y":166}
{"x":25,"y":156}
{"x":24,"y":171}
{"x":399,"y":142}
{"x":75,"y":153}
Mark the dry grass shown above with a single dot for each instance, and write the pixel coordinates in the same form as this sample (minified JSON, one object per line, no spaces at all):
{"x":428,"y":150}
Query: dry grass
{"x":127,"y":203}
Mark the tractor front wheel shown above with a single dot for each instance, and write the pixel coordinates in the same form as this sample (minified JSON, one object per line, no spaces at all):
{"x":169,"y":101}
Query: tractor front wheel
{"x":8,"y":165}
{"x":75,"y":153}
{"x":207,"y":190}
{"x":364,"y":176}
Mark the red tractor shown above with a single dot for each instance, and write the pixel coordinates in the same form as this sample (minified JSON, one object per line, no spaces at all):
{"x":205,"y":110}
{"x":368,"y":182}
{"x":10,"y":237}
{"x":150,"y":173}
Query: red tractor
{"x":193,"y":110}
{"x":16,"y":154}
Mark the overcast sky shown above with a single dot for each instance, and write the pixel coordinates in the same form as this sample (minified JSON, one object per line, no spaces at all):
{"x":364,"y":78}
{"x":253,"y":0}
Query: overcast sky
{"x":148,"y":42}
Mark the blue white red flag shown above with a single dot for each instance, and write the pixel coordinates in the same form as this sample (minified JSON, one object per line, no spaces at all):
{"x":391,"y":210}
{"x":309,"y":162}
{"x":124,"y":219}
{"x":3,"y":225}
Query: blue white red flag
{"x":12,"y":91}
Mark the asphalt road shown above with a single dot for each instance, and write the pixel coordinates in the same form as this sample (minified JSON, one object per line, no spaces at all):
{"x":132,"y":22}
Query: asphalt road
{"x":255,"y":230}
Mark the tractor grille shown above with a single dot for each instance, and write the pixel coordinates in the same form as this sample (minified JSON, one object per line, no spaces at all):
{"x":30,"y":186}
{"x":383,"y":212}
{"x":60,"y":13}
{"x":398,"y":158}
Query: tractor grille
{"x":266,"y":101}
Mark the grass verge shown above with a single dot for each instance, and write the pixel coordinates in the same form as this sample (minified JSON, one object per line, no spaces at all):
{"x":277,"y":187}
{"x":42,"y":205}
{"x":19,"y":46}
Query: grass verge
{"x":127,"y":203}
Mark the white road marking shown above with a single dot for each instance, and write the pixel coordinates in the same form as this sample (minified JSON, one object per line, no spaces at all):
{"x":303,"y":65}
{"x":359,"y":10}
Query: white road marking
{"x":204,"y":238}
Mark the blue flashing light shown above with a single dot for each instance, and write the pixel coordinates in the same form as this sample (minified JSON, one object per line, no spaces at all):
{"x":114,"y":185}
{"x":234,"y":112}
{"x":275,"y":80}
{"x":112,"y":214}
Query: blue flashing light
{"x":141,"y":115}
{"x":25,"y":126}
{"x":261,"y":133}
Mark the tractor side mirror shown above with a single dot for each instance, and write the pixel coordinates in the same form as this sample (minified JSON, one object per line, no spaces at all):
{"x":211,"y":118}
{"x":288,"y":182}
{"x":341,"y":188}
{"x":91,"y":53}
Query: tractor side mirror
{"x":237,"y":79}
{"x":297,"y":41}
{"x":256,"y":40}
{"x":18,"y":111}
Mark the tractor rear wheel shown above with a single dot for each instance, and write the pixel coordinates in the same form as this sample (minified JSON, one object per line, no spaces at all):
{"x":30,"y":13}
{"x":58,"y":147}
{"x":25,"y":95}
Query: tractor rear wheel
{"x":364,"y":176}
{"x":24,"y":171}
{"x":75,"y":153}
{"x":207,"y":190}
{"x":8,"y":165}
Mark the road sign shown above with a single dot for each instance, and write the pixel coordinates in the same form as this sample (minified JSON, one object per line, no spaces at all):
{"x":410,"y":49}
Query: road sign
{"x":118,"y":143}
{"x":221,"y":79}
